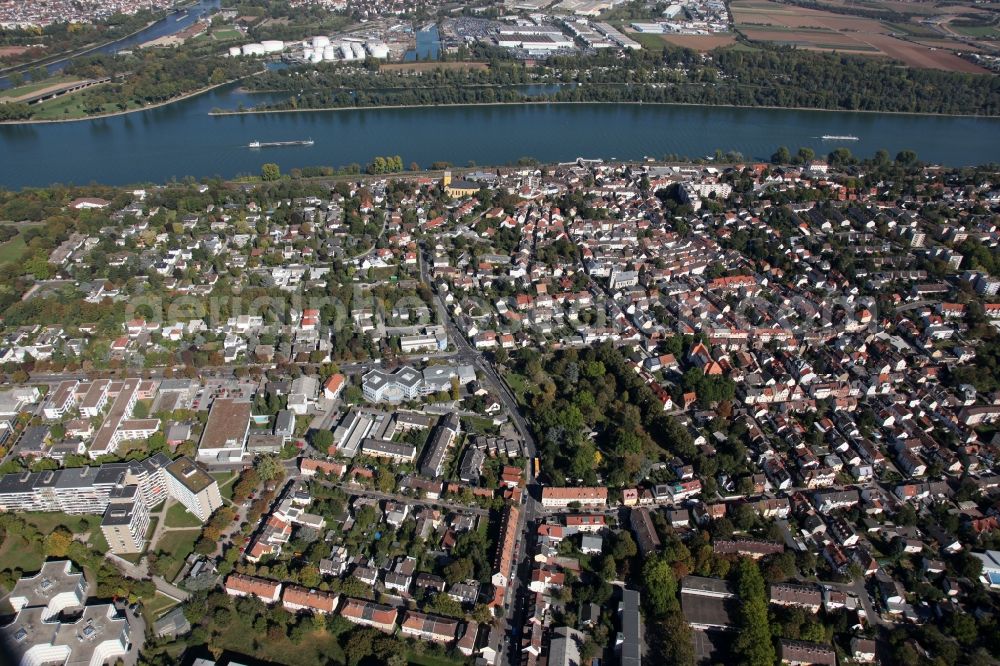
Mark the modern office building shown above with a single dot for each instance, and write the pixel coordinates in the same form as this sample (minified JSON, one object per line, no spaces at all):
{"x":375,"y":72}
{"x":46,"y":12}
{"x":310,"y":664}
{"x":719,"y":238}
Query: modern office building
{"x":224,"y":440}
{"x":406,"y":383}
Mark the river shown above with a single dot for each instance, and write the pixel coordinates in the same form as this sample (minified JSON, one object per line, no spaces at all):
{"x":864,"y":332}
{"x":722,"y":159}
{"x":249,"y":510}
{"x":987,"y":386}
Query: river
{"x":171,"y":24}
{"x":181,"y":139}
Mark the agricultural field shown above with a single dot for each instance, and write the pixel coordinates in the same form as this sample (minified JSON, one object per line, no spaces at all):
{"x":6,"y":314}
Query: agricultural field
{"x":764,"y":20}
{"x":699,"y":42}
{"x":978,"y":31}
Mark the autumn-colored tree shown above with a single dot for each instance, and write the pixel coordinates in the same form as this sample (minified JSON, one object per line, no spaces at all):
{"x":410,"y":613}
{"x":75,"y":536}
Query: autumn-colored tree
{"x":57,"y":542}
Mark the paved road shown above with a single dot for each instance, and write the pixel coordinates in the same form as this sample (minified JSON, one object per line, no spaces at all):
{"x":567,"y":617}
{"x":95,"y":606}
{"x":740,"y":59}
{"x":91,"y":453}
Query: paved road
{"x":857,"y":588}
{"x":509,"y":651}
{"x":172,"y":591}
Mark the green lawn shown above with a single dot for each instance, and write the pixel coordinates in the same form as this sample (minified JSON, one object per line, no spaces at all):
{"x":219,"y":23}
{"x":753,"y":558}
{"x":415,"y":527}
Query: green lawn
{"x":179,"y":516}
{"x":518,"y":384}
{"x":314,"y":648}
{"x":29,"y":88}
{"x":13,"y":249}
{"x":17,"y":553}
{"x":179,"y":544}
{"x":159,"y":604}
{"x":71,"y":106}
{"x":49,"y":520}
{"x":416,"y":659}
{"x":226,"y":34}
{"x":227,"y":481}
{"x":479,"y":424}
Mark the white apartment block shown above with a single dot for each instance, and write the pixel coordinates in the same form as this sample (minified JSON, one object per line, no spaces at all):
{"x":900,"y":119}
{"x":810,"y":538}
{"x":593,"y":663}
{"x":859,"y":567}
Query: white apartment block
{"x":197,"y":490}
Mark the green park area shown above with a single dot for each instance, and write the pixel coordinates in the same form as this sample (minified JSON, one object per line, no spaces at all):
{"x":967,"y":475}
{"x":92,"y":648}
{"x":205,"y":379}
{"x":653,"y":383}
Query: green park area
{"x":13,"y":249}
{"x":25,"y":549}
{"x":175,"y":545}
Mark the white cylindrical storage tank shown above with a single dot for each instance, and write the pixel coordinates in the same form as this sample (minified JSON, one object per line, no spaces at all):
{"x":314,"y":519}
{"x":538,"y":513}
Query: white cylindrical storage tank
{"x":330,"y":53}
{"x":347,"y":52}
{"x":235,"y":51}
{"x":253,"y":49}
{"x":273,"y":45}
{"x":317,"y":56}
{"x":378,"y":50}
{"x":320,"y":42}
{"x":359,"y":51}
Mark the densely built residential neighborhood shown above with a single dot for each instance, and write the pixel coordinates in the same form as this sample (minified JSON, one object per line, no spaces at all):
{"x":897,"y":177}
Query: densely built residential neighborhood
{"x":546,"y":415}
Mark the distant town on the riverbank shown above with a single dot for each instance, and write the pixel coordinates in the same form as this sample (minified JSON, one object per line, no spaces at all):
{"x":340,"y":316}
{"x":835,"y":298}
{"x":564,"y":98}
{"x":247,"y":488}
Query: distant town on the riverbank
{"x":358,"y":53}
{"x":543,"y":414}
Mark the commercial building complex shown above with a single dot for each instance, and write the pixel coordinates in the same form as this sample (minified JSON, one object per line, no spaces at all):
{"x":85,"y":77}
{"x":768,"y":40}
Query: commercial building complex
{"x":225,"y":437}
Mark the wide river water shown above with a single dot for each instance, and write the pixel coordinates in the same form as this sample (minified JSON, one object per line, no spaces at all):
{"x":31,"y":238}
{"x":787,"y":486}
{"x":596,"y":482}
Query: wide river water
{"x":181,"y":139}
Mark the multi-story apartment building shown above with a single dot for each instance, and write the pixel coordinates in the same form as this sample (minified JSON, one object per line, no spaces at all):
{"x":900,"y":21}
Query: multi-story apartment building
{"x":126,"y":520}
{"x":553,"y":497}
{"x":83,"y":489}
{"x":95,"y":397}
{"x":194,"y":488}
{"x":117,"y":426}
{"x":62,"y":400}
{"x":41,"y":634}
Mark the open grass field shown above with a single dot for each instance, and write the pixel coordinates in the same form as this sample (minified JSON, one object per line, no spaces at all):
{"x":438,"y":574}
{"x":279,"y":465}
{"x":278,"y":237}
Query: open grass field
{"x":67,"y":106}
{"x":765,"y":20}
{"x":16,"y":553}
{"x":226,"y":34}
{"x":13,"y":249}
{"x":318,"y":647}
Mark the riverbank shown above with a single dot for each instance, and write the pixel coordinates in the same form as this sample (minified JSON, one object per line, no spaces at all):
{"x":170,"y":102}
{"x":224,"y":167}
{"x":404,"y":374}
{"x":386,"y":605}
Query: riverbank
{"x":65,"y":56}
{"x":56,"y":58}
{"x":251,"y":112}
{"x":112,"y":114}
